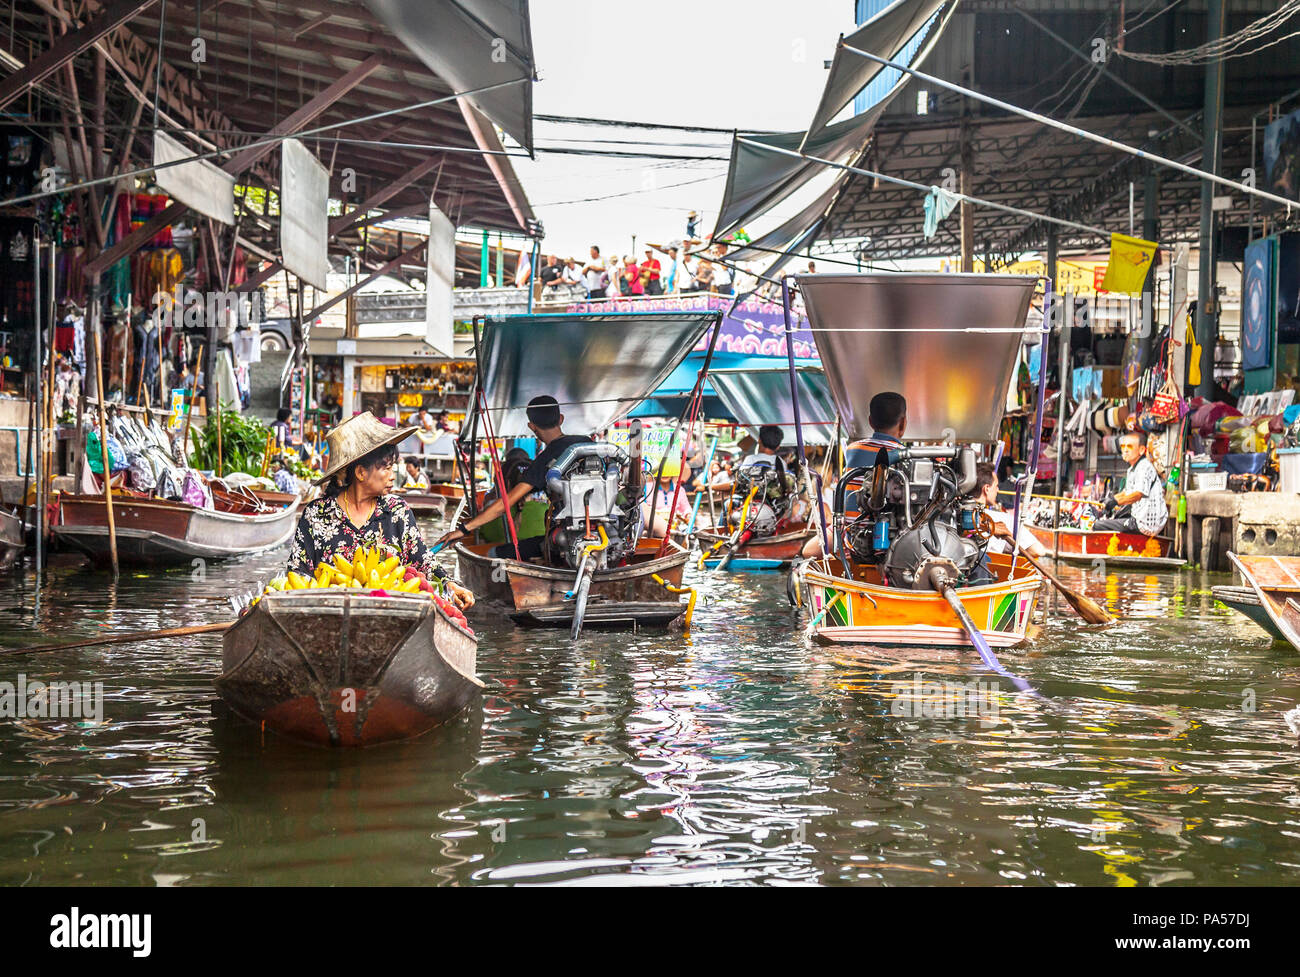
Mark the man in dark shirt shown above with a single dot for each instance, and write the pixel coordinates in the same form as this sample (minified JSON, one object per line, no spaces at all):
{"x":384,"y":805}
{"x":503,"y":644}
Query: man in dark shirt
{"x":544,"y":420}
{"x":551,"y":271}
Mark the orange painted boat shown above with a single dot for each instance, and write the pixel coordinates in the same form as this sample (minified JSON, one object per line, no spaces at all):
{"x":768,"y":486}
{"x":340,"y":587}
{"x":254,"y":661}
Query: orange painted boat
{"x":1276,"y":582}
{"x":950,"y":344}
{"x":863,"y":611}
{"x":1135,"y":550}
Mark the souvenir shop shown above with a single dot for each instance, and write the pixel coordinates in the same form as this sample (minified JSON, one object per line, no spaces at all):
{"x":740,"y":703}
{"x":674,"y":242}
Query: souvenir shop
{"x":1241,"y":439}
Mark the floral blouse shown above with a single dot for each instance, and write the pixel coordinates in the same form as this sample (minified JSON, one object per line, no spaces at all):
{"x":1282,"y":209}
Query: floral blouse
{"x":324,"y":531}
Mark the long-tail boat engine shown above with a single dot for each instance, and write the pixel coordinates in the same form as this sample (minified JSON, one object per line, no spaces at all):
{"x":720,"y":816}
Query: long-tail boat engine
{"x":914,"y":520}
{"x":763,"y":498}
{"x":589,"y":525}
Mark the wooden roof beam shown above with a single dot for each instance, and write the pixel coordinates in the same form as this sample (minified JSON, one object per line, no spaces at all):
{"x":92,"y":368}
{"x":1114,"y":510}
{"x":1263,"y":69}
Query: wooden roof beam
{"x":240,"y":162}
{"x":68,"y":46}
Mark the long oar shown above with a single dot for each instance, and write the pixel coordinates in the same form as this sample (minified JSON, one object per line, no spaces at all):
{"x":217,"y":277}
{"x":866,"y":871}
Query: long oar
{"x":121,"y":639}
{"x":940,"y":582}
{"x":1087,"y":608}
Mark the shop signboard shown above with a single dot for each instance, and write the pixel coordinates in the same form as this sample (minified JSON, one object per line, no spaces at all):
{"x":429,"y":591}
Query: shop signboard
{"x":754,"y":327}
{"x":179,"y":408}
{"x":654,"y":441}
{"x":1282,"y":158}
{"x":1257,"y":307}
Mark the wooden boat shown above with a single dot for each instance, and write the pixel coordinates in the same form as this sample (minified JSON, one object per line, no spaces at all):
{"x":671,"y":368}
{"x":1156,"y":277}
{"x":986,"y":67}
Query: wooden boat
{"x":340,"y":668}
{"x":158,"y":532}
{"x":536,"y":595}
{"x":771,"y":553}
{"x":1275,"y":581}
{"x":864,"y":611}
{"x":950,"y":342}
{"x":11,"y":539}
{"x":600,"y":368}
{"x":1245,"y":601}
{"x":447,"y":490}
{"x":1130,"y":550}
{"x":424,"y":504}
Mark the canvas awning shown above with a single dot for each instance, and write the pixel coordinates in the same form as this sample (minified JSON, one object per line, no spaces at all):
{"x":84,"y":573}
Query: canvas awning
{"x":759,"y":396}
{"x":598,"y":367}
{"x":759,"y":178}
{"x":887,"y":35}
{"x":791,"y":235}
{"x":473,"y":44}
{"x":948,"y":343}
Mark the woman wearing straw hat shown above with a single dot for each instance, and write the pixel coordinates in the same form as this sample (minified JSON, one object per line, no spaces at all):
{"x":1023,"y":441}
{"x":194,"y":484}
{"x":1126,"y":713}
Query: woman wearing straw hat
{"x":359,"y":509}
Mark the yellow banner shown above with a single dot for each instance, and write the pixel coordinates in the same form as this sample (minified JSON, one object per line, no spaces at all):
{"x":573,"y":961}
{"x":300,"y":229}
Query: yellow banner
{"x":1077,"y":277}
{"x":1130,"y":257}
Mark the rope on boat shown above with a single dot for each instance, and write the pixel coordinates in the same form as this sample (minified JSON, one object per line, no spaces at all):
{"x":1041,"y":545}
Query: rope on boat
{"x":690,"y":604}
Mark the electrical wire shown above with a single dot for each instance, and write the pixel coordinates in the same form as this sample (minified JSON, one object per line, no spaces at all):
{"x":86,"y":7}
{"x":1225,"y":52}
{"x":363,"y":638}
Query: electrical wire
{"x":1229,"y":46}
{"x":628,"y":193}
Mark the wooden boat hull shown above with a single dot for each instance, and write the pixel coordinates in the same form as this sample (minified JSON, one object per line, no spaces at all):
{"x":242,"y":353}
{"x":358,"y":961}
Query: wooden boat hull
{"x":1130,"y":550}
{"x":1275,"y":580}
{"x":772,"y":553}
{"x":343,"y":669}
{"x":11,"y":540}
{"x":527,"y":587}
{"x":862,"y":611}
{"x":425,"y":504}
{"x":1245,"y":601}
{"x":156,"y":532}
{"x":448,"y":490}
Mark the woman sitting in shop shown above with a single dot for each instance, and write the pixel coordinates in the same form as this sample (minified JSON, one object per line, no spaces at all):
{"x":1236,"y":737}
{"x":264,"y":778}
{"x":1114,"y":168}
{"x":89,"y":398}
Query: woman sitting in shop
{"x":416,"y":479}
{"x":359,"y":507}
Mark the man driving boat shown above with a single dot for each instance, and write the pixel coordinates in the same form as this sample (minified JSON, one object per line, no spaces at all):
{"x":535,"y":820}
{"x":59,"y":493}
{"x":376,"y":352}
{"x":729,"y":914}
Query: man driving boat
{"x":887,"y":414}
{"x":359,"y":508}
{"x":545,"y":421}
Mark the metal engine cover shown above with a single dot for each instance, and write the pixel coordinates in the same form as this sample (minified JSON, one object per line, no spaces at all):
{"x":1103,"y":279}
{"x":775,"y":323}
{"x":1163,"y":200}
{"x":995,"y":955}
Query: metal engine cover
{"x":909,"y":553}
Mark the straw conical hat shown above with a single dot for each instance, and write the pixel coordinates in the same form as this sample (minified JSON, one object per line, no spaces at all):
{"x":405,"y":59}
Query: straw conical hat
{"x":357,"y":437}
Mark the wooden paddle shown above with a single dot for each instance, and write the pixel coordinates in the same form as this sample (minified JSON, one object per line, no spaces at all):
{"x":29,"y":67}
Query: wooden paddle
{"x":1087,"y":608}
{"x":119,"y":639}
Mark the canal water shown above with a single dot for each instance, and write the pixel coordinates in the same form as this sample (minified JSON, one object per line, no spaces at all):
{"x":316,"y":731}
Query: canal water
{"x":741,"y":754}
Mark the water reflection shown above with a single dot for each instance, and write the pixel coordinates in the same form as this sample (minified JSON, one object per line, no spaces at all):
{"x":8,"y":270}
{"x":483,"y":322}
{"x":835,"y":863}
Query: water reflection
{"x":738,"y":755}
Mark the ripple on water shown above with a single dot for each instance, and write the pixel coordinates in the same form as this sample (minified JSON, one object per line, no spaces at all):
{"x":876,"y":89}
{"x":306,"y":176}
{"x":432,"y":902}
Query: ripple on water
{"x":738,"y":755}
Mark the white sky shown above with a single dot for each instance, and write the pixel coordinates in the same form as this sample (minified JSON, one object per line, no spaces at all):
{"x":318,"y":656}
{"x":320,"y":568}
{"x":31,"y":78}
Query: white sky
{"x":755,"y":64}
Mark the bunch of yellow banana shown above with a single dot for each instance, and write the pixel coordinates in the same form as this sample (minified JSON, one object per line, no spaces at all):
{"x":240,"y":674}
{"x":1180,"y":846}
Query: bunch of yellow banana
{"x":368,"y":569}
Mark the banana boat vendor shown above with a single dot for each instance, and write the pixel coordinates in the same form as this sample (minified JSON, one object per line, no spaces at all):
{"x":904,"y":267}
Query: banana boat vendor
{"x":359,"y":507}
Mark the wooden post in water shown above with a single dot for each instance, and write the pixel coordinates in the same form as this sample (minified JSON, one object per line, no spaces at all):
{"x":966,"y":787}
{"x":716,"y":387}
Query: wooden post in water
{"x":93,"y":314}
{"x":1210,"y":543}
{"x":216,"y":395}
{"x":194,"y":392}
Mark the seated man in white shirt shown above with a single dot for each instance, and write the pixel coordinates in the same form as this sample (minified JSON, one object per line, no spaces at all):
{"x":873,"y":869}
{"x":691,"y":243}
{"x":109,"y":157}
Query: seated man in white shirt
{"x":986,"y":491}
{"x":1138,"y":507}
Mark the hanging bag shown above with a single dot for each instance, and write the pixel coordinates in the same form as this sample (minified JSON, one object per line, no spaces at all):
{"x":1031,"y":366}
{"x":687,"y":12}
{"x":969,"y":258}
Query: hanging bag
{"x":1168,"y":406}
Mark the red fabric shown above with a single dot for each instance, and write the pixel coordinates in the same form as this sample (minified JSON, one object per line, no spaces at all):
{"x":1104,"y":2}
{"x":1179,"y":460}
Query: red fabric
{"x":653,"y":265}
